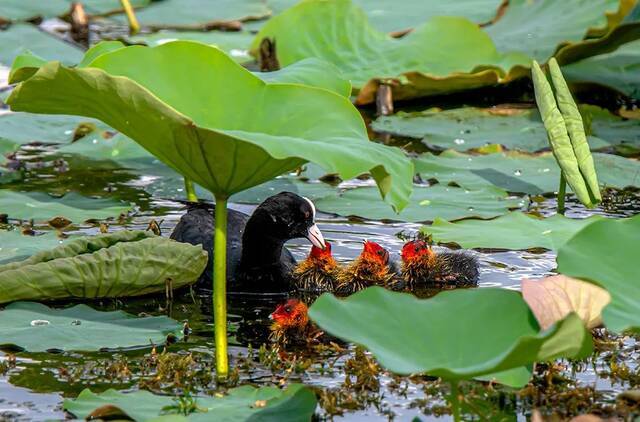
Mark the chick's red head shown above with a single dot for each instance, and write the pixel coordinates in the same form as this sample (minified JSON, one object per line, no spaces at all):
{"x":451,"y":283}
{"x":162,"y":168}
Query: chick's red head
{"x":291,"y":314}
{"x":374,"y":252}
{"x":319,"y":253}
{"x":415,"y":249}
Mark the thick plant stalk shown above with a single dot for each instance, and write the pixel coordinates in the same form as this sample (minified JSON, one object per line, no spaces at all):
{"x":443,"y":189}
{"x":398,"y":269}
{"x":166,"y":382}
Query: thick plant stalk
{"x":220,"y":289}
{"x":556,"y":128}
{"x":575,"y":127}
{"x":455,"y":403}
{"x":190,"y":190}
{"x":134,"y":26}
{"x":562,"y":191}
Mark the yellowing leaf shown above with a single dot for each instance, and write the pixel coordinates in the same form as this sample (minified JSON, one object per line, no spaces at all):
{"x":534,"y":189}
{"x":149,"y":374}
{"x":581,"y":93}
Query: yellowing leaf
{"x":553,"y":298}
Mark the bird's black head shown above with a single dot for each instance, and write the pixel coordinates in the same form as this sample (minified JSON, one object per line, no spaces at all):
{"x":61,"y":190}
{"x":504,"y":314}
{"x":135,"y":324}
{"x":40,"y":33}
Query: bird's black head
{"x":288,"y":216}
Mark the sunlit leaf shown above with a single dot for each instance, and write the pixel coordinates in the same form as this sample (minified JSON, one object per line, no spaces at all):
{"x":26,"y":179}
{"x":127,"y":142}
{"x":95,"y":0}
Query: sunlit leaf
{"x":41,"y":206}
{"x":606,"y":253}
{"x":515,"y":231}
{"x":293,"y":404}
{"x":35,"y":327}
{"x":339,"y":32}
{"x":454,"y":335}
{"x":121,"y":264}
{"x":185,"y":126}
{"x":426,"y":204}
{"x":553,"y":298}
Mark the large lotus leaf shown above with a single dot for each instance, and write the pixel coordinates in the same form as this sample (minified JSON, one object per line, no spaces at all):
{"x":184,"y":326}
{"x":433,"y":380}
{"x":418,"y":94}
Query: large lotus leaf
{"x":260,"y":130}
{"x":198,"y":13}
{"x":517,"y":172}
{"x":21,"y":10}
{"x":444,"y":55}
{"x":15,"y":246}
{"x":236,"y":44}
{"x":72,"y":206}
{"x":426,"y":204}
{"x":110,"y":265}
{"x":511,"y":231}
{"x":454,"y":335}
{"x":465,"y":128}
{"x":618,"y":70}
{"x":538,"y":27}
{"x":606,"y":253}
{"x":19,"y":38}
{"x":295,"y":403}
{"x":35,"y":327}
{"x":395,"y":15}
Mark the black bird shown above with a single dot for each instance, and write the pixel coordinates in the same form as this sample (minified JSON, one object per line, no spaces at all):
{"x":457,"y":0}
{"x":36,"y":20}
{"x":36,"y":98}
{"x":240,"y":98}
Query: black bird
{"x":257,"y":260}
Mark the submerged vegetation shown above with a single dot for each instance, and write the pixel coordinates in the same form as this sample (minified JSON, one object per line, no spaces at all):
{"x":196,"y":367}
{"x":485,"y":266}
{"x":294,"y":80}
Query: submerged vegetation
{"x":115,"y":114}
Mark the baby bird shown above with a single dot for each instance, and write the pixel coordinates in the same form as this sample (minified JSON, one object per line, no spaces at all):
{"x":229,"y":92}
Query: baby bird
{"x":317,"y":273}
{"x":291,"y":325}
{"x":422,"y":267}
{"x":369,"y":269}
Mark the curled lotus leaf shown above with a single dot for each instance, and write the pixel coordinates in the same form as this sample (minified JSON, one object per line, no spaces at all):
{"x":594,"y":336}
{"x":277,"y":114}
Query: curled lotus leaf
{"x":120,"y":264}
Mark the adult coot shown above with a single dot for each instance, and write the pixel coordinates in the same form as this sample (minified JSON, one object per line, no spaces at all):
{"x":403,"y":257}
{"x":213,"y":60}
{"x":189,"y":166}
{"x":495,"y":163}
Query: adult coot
{"x":257,"y":260}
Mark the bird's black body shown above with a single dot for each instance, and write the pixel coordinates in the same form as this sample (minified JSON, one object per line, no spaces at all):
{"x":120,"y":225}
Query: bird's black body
{"x":257,"y":260}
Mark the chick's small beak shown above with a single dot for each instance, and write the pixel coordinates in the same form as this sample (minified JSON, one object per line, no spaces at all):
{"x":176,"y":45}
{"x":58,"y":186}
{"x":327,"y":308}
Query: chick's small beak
{"x":315,"y":236}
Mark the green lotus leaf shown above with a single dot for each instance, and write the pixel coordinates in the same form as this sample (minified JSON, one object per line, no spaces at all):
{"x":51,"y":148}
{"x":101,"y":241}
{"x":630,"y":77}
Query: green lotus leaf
{"x":193,"y":133}
{"x":42,"y":206}
{"x":522,"y":129}
{"x":338,"y":31}
{"x":236,"y":44}
{"x":198,"y":14}
{"x":617,"y":70}
{"x":389,"y":16}
{"x":518,"y":172}
{"x":605,"y":253}
{"x":34,"y":327}
{"x":16,"y":246}
{"x":293,"y":404}
{"x":122,"y":264}
{"x":427,"y":203}
{"x":537,"y":28}
{"x":514,"y":231}
{"x":454,"y":335}
{"x":20,"y":38}
{"x":22,"y":10}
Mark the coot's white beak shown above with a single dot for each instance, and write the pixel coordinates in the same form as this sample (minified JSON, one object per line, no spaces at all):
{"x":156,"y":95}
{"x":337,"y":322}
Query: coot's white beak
{"x":315,"y":237}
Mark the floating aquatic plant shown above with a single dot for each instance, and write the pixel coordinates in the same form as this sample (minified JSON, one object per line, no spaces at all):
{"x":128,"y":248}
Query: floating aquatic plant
{"x":218,"y":125}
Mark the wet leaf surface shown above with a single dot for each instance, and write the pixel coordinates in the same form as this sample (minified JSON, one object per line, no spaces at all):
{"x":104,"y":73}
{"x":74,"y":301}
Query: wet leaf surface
{"x":513,"y":231}
{"x":19,"y":38}
{"x":35,"y":327}
{"x":17,"y":246}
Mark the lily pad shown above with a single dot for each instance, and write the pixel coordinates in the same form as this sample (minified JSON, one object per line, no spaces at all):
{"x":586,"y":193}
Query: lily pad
{"x":121,"y":264}
{"x":514,"y":231}
{"x":195,"y":14}
{"x":605,"y":253}
{"x":426,"y":204}
{"x":16,"y":246}
{"x":235,"y":44}
{"x":41,"y":206}
{"x":537,"y":28}
{"x":339,"y":32}
{"x":390,"y":16}
{"x":21,"y":10}
{"x":517,"y":172}
{"x":293,"y":404}
{"x":171,"y":122}
{"x":553,"y":298}
{"x":454,"y":335}
{"x":19,"y":38}
{"x":34,"y":327}
{"x":617,"y":70}
{"x":522,"y":129}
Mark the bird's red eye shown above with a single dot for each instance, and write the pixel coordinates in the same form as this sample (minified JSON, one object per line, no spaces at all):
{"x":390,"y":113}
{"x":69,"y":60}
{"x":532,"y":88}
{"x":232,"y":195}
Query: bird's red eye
{"x":307,"y":214}
{"x":287,"y":309}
